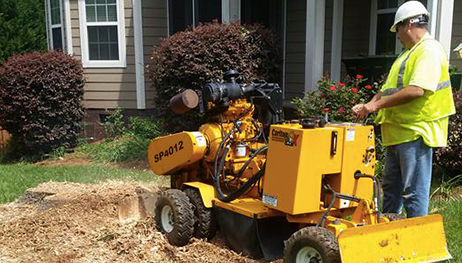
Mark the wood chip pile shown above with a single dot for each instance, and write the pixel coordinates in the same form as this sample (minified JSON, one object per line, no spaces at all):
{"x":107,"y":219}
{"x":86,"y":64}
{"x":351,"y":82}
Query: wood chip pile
{"x":68,"y":222}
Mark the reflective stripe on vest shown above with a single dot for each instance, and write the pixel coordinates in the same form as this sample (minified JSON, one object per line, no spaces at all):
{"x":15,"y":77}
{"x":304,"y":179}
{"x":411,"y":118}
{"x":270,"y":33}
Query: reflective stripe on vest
{"x":402,"y":68}
{"x":431,"y":106}
{"x":441,"y":85}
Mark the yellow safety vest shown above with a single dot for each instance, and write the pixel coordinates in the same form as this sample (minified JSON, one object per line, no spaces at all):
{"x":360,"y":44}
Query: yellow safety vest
{"x":432,"y":105}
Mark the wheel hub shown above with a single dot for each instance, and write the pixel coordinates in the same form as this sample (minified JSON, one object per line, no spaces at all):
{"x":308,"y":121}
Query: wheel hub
{"x":167,"y":219}
{"x":308,"y":255}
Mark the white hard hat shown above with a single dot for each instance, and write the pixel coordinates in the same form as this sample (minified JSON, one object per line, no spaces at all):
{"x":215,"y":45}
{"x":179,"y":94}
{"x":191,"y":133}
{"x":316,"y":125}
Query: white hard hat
{"x":408,"y":10}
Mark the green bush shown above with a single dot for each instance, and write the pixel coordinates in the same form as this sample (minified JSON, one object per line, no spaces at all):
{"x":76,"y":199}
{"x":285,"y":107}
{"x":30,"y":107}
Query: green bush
{"x":336,"y":99}
{"x":114,"y":125}
{"x":12,"y":152}
{"x":126,"y":142}
{"x":40,"y":100}
{"x":145,"y":127}
{"x":449,"y":158}
{"x":121,"y":149}
{"x":192,"y":58}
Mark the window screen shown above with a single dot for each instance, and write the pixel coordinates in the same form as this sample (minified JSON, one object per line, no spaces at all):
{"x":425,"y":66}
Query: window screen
{"x":55,"y":26}
{"x":103,"y":42}
{"x":207,"y":11}
{"x":55,"y":12}
{"x":180,"y":15}
{"x":386,"y":40}
{"x":185,"y":13}
{"x":101,"y":10}
{"x":57,"y":38}
{"x":103,"y":39}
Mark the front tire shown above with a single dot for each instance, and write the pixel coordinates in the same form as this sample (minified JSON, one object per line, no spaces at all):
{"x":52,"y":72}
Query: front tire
{"x":174,"y":216}
{"x":312,"y":245}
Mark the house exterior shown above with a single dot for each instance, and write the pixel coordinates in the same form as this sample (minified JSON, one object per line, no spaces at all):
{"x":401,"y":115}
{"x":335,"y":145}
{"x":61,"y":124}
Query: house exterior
{"x":114,"y":38}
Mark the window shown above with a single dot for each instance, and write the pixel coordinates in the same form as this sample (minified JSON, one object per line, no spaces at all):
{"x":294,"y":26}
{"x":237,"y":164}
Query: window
{"x":185,"y":13}
{"x":55,"y":25}
{"x":384,"y":42}
{"x":268,"y":13}
{"x":102,"y":33}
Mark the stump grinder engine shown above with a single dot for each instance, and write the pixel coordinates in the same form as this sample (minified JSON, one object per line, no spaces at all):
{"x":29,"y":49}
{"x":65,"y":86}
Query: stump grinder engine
{"x":301,"y":189}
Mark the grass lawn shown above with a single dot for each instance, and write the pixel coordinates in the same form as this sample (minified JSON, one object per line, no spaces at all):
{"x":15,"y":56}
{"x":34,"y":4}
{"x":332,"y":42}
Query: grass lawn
{"x":452,"y":213}
{"x":15,"y":179}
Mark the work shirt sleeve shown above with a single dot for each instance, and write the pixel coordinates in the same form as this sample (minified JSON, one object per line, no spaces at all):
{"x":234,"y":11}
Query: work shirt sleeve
{"x":426,"y":71}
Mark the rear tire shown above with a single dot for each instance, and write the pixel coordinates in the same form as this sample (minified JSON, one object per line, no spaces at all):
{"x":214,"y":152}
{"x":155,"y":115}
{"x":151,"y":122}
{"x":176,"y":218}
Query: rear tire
{"x":312,"y":245}
{"x":174,"y":216}
{"x":205,"y":225}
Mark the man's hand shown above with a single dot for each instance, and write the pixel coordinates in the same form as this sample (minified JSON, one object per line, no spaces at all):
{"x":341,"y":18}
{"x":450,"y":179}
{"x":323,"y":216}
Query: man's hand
{"x":403,"y":96}
{"x":361,"y":111}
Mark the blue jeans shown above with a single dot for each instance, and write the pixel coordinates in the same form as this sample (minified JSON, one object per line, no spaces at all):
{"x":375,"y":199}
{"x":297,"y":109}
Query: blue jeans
{"x":407,"y":178}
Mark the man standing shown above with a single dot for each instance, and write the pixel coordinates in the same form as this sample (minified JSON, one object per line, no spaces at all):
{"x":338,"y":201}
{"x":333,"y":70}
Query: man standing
{"x":413,"y":108}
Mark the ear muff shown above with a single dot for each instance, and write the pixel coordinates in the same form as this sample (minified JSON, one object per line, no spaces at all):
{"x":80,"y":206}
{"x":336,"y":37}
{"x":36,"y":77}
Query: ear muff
{"x":420,"y":20}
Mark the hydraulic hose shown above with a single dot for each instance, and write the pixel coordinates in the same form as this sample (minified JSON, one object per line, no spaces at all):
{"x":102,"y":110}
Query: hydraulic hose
{"x":322,"y":221}
{"x":228,"y":198}
{"x":376,"y":190}
{"x":216,"y":178}
{"x":244,"y":167}
{"x":219,"y":168}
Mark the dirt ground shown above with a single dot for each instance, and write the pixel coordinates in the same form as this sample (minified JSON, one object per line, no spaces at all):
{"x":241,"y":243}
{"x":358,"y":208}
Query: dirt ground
{"x":69,"y":222}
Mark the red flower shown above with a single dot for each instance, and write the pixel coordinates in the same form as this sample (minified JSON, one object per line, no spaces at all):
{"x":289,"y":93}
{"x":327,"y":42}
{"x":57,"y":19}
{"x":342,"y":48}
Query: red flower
{"x":368,"y":87}
{"x":332,"y":88}
{"x":341,"y":84}
{"x":354,"y":89}
{"x":359,"y":76}
{"x":326,"y":110}
{"x":341,"y":110}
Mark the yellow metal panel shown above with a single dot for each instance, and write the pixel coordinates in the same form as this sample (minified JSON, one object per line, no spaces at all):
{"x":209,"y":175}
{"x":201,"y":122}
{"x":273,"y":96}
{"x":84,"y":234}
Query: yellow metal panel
{"x":297,"y":160}
{"x":249,"y":207}
{"x":412,"y":240}
{"x":354,"y":159}
{"x":358,"y":155}
{"x":207,"y":192}
{"x":170,"y":153}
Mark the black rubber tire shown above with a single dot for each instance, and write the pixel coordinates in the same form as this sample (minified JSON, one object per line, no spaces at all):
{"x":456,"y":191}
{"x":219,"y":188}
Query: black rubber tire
{"x":318,"y":238}
{"x":182,"y":216}
{"x":205,"y":225}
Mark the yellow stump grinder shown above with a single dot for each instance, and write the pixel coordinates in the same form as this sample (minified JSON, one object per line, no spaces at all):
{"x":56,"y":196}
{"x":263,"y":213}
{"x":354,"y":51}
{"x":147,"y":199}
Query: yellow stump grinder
{"x":303,"y":190}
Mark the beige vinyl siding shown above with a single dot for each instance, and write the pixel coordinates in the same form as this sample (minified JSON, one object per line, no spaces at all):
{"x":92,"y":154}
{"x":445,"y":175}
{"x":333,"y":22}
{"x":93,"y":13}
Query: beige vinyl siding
{"x":108,"y":87}
{"x":295,"y":49}
{"x":155,"y":28}
{"x":356,"y":22}
{"x":456,"y":34}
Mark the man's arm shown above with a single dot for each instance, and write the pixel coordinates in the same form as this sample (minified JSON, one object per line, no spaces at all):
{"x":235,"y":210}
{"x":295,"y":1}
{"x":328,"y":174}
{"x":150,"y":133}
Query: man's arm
{"x":403,"y":96}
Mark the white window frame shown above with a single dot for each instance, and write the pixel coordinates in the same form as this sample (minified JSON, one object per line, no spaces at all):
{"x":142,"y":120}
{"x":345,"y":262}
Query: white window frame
{"x":50,"y":26}
{"x":375,"y":12}
{"x":87,"y":63}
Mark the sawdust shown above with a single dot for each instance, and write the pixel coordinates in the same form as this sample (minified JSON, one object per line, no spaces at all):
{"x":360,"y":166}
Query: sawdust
{"x":70,"y":222}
